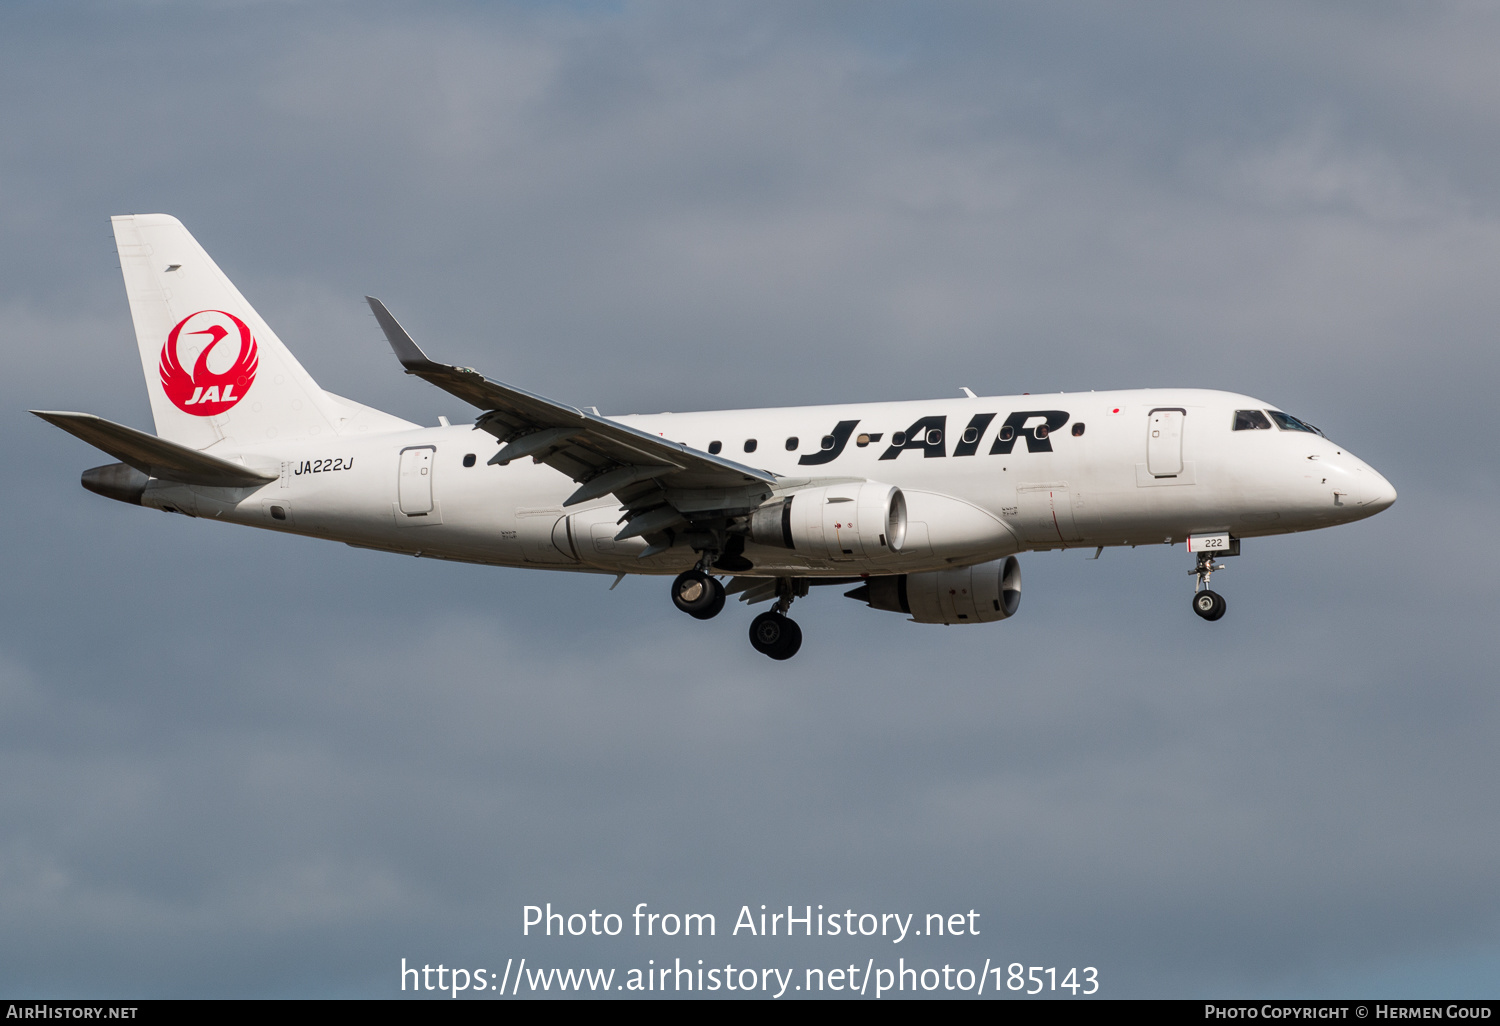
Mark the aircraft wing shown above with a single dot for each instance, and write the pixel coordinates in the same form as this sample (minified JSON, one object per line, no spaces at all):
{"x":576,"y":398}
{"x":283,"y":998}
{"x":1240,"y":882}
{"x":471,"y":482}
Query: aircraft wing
{"x":155,"y":456}
{"x":668,"y":480}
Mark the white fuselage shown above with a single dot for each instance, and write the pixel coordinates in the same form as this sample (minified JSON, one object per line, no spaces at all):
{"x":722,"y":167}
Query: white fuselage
{"x":1130,"y":478}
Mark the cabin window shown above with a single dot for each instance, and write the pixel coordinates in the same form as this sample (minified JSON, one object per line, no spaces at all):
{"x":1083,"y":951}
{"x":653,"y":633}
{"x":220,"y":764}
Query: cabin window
{"x":715,"y":448}
{"x":898,"y":439}
{"x":971,"y":435}
{"x":469,"y":460}
{"x":278,"y":513}
{"x":862,"y":441}
{"x":749,"y":445}
{"x":1007,"y":432}
{"x":1287,"y":423}
{"x":1251,"y":420}
{"x":1078,"y":430}
{"x":935,"y":437}
{"x":828,"y":442}
{"x":791,"y":444}
{"x":1040,"y":431}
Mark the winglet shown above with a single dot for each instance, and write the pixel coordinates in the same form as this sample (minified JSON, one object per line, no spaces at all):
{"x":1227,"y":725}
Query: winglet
{"x":408,"y":352}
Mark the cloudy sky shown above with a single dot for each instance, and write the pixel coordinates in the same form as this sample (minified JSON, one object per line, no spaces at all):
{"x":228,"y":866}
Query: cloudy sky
{"x":236,"y":764}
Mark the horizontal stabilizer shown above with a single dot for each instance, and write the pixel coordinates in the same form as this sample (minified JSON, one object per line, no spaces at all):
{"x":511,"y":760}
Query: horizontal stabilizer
{"x":155,"y":456}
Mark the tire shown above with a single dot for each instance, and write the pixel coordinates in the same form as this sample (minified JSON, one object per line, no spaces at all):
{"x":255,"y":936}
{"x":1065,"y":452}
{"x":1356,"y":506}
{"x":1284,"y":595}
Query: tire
{"x":765,"y":632}
{"x":694,"y":593}
{"x":774,"y":635}
{"x":791,"y":640}
{"x":716,"y":606}
{"x":1209,"y":604}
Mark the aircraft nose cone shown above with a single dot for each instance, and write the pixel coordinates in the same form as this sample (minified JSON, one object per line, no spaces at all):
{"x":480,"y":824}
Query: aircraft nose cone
{"x":1379,"y":494}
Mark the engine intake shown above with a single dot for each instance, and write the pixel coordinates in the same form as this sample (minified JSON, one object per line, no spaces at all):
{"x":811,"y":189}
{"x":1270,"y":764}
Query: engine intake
{"x":858,"y":520}
{"x":971,"y":594}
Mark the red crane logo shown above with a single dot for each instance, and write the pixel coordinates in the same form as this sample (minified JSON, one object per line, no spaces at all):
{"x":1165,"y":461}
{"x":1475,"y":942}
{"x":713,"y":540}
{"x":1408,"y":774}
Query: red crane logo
{"x":205,"y":392}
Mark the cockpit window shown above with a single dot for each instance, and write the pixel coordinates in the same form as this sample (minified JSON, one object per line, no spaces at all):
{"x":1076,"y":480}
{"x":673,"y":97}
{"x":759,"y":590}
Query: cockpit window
{"x":1251,"y":420}
{"x":1287,"y":423}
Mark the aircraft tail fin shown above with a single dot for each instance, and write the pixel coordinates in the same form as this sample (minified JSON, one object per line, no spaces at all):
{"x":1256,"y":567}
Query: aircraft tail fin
{"x":216,"y":372}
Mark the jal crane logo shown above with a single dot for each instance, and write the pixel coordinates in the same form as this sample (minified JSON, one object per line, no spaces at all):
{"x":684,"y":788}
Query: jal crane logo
{"x":207,"y":392}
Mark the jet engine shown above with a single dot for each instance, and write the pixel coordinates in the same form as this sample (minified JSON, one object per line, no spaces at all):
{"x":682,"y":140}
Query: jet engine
{"x":971,"y":594}
{"x":950,"y":528}
{"x":856,"y":520}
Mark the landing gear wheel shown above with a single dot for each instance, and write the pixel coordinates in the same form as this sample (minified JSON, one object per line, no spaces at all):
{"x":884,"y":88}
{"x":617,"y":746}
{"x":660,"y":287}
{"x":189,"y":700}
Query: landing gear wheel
{"x":775,"y":635}
{"x":717,"y":606}
{"x":1209,"y":604}
{"x":697,"y":594}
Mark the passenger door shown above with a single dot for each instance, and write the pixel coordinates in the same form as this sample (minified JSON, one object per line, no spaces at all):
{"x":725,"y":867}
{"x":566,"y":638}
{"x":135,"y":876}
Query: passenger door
{"x":1164,"y":442}
{"x":414,"y":487}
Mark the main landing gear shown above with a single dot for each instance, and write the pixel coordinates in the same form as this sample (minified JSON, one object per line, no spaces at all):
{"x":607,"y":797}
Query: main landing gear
{"x":772,"y":633}
{"x":698,"y":595}
{"x":1208,"y":604}
{"x":775,"y":635}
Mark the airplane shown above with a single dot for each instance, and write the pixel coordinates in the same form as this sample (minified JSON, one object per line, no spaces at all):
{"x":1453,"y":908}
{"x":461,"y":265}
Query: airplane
{"x":922,"y":506}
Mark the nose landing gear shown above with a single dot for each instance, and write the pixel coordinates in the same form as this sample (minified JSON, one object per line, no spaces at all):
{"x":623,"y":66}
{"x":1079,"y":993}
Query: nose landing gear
{"x":1208,"y":604}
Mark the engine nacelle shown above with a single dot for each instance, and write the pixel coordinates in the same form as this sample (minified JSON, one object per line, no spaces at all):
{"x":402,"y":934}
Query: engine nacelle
{"x":947,"y":527}
{"x":857,"y":520}
{"x":971,"y":594}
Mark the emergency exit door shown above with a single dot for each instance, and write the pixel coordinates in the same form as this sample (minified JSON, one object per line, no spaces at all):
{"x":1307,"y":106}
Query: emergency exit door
{"x":414,"y":487}
{"x":1164,"y":442}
